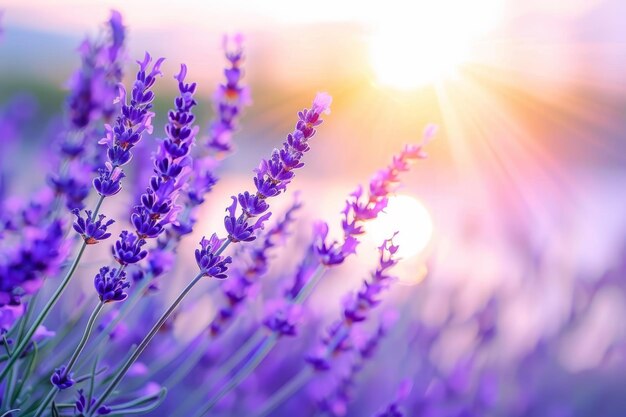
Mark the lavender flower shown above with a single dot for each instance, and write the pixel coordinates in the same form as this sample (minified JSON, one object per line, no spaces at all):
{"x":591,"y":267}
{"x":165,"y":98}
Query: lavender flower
{"x":135,"y":118}
{"x":93,"y":86}
{"x":110,"y":284}
{"x":229,"y":98}
{"x":237,"y":288}
{"x":355,"y":309}
{"x":92,"y":230}
{"x":211,"y":264}
{"x":229,"y":101}
{"x":336,"y":402}
{"x":61,"y":379}
{"x":360,"y":208}
{"x":157,"y":206}
{"x":127,"y":249}
{"x":81,"y":407}
{"x":274,"y":174}
{"x":39,"y":253}
{"x":92,"y":90}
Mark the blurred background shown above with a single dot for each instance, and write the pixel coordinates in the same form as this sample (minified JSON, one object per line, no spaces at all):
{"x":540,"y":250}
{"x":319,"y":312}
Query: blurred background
{"x":521,"y":204}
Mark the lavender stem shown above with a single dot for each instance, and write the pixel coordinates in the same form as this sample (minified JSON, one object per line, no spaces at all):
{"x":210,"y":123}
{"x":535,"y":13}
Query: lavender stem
{"x":146,"y":340}
{"x":23,"y":343}
{"x":79,"y":348}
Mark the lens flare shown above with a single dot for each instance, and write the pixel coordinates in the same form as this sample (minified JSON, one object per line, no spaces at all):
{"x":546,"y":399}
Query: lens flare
{"x":407,"y":215}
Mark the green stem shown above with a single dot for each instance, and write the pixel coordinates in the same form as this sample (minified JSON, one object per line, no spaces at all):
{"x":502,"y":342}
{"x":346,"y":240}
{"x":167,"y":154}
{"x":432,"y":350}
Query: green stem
{"x":46,"y":402}
{"x":285,"y":392}
{"x":243,"y":373}
{"x":83,"y":341}
{"x":295,"y":383}
{"x":79,"y":348}
{"x":190,"y":362}
{"x":126,"y":308}
{"x":142,"y":346}
{"x":23,"y":343}
{"x":267,"y":346}
{"x":245,"y":349}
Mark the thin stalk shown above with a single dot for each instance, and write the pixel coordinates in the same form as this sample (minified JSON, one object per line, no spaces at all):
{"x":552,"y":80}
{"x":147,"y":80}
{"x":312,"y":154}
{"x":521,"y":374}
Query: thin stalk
{"x":242,"y":374}
{"x":197,"y":395}
{"x":23,"y":343}
{"x":79,"y":348}
{"x":246,"y":349}
{"x":286,"y":391}
{"x":300,"y":379}
{"x":124,"y":310}
{"x":46,"y":402}
{"x":189,"y":363}
{"x":144,"y":343}
{"x":83,"y":341}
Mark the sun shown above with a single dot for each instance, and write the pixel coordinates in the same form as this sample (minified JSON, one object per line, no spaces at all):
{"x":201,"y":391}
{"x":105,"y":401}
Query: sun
{"x":406,"y":215}
{"x":421,"y":42}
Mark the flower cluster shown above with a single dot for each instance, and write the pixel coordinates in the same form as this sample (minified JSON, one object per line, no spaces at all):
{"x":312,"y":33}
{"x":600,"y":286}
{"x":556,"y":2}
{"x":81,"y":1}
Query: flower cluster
{"x":356,"y":309}
{"x":230,"y":97}
{"x":360,"y":207}
{"x":157,"y":206}
{"x":237,"y":288}
{"x":61,"y":379}
{"x":229,"y":101}
{"x":274,"y":174}
{"x":92,"y":230}
{"x":134,"y":120}
{"x":93,"y":86}
{"x":336,"y":402}
{"x":22,"y":268}
{"x":211,"y":264}
{"x":92,"y":90}
{"x":110,"y":284}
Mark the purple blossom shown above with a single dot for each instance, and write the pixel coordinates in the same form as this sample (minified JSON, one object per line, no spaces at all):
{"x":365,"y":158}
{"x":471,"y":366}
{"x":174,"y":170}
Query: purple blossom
{"x":81,"y":406}
{"x":61,"y":380}
{"x":40,"y":252}
{"x":110,"y":284}
{"x":127,"y":249}
{"x":230,"y":98}
{"x":360,"y":208}
{"x":108,"y":182}
{"x":210,"y":264}
{"x":134,"y":119}
{"x":391,"y":411}
{"x":94,"y":85}
{"x":357,"y":308}
{"x":335,"y":403}
{"x":273,"y":175}
{"x":92,"y":230}
{"x":237,"y":289}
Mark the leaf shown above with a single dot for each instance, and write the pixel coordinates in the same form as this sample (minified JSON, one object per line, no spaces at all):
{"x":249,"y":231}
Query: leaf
{"x":140,"y":405}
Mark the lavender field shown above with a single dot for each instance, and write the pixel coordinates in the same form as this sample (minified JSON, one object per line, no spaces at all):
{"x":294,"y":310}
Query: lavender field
{"x":359,"y":209}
